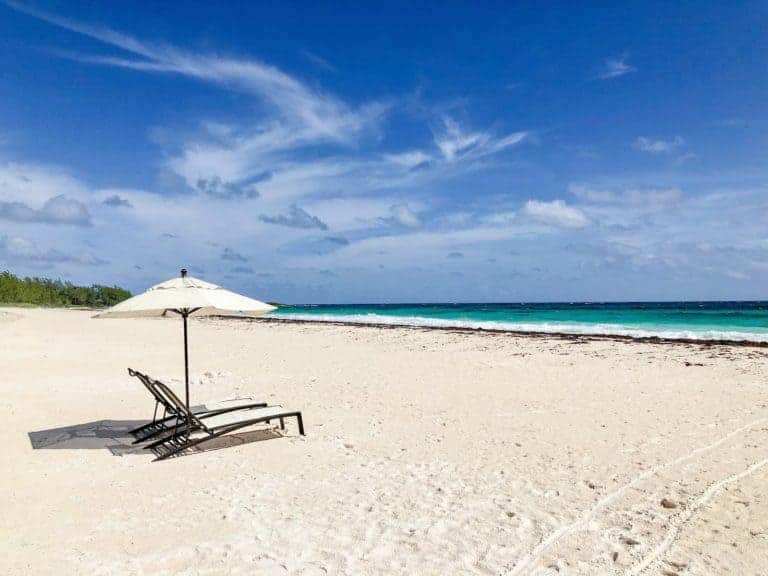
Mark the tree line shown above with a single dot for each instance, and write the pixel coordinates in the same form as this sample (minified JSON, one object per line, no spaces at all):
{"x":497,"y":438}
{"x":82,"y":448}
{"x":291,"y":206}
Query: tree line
{"x":46,"y":292}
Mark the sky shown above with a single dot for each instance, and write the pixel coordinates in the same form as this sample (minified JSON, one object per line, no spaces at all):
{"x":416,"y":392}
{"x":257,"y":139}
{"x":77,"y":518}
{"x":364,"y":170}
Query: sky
{"x":351,"y":152}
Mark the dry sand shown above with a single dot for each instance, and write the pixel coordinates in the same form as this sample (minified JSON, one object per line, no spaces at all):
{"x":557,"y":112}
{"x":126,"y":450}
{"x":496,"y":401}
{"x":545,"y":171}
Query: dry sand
{"x":427,"y":452}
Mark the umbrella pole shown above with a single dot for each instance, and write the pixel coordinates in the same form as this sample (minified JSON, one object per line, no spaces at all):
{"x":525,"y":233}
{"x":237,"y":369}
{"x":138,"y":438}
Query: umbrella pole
{"x":186,"y":358}
{"x":184,"y":315}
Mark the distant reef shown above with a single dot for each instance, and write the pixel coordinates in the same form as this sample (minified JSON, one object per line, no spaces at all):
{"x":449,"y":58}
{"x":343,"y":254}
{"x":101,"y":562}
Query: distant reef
{"x":46,"y":292}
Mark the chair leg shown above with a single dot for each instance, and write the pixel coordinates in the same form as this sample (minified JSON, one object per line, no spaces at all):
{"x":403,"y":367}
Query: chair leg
{"x":173,"y":436}
{"x":188,"y":444}
{"x":141,"y":437}
{"x":141,"y":428}
{"x":152,"y":434}
{"x":210,"y":436}
{"x":161,"y":427}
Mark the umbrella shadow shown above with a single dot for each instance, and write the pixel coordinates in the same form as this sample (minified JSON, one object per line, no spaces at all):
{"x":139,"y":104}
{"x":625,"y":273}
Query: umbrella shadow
{"x":113,"y":435}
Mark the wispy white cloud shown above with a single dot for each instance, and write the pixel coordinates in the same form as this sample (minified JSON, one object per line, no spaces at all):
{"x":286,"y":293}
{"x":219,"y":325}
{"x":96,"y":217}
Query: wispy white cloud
{"x":296,"y":217}
{"x":34,"y":184}
{"x":319,"y":61}
{"x":642,"y":197}
{"x":615,"y":67}
{"x":556,"y":213}
{"x":18,"y":250}
{"x":685,"y":157}
{"x":56,"y":210}
{"x":453,"y":141}
{"x":456,"y":143}
{"x":360,"y":214}
{"x":218,"y":188}
{"x":659,"y":146}
{"x":410,"y":159}
{"x":320,"y":114}
{"x":402,"y":215}
{"x":303,"y":117}
{"x":502,"y":218}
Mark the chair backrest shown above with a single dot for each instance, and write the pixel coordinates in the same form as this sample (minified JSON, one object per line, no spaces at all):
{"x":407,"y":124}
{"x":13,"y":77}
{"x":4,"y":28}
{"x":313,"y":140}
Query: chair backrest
{"x":143,"y":378}
{"x":178,"y":407}
{"x":150,"y":384}
{"x":146,"y":381}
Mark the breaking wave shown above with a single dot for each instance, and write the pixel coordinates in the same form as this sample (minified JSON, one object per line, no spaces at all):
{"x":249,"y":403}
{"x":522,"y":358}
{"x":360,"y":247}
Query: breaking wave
{"x":576,"y":328}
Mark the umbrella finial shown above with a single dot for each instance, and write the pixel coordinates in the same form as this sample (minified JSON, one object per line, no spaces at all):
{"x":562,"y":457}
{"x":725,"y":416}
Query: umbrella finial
{"x":183,"y":272}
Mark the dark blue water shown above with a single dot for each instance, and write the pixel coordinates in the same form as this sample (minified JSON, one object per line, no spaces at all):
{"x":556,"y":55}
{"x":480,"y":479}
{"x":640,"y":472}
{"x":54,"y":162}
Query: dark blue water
{"x":695,"y":320}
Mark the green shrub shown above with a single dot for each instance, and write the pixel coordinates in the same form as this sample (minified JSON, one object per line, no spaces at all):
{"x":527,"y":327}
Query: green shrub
{"x":46,"y":292}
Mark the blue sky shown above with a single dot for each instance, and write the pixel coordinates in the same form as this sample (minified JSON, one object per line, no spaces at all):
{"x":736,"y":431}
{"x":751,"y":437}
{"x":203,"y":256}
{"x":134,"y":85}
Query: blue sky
{"x":352,"y":153}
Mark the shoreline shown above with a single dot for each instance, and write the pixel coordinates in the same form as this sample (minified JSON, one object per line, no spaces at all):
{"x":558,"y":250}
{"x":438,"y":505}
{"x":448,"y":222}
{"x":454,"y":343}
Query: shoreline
{"x":524,"y":333}
{"x":705,"y":342}
{"x":464,"y":329}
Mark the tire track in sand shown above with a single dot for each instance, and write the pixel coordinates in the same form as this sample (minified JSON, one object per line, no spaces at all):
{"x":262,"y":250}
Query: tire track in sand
{"x":550,"y":540}
{"x":677,"y":523}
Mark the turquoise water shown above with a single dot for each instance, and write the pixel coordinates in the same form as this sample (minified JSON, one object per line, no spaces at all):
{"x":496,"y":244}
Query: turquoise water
{"x":694,"y":320}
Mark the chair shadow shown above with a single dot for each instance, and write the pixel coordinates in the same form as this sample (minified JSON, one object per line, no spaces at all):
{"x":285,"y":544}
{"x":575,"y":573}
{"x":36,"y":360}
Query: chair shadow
{"x":239,"y":439}
{"x":114,"y":435}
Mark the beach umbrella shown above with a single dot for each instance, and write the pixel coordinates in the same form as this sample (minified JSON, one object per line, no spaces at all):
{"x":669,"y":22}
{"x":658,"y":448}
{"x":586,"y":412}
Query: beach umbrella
{"x":186,"y":296}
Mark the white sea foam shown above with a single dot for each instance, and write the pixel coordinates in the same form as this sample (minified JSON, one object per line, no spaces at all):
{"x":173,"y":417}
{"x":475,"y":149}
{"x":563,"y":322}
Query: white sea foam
{"x":545,"y":327}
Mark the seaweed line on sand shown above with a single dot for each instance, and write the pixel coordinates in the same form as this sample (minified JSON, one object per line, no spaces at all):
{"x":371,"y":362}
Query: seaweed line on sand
{"x":576,"y":338}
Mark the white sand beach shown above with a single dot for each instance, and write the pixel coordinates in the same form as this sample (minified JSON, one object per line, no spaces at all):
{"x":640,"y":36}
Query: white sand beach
{"x":426,"y":452}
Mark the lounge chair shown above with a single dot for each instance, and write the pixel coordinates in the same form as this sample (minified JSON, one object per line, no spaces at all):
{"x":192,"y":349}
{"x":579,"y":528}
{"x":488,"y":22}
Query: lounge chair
{"x":170,"y":416}
{"x":211,"y":424}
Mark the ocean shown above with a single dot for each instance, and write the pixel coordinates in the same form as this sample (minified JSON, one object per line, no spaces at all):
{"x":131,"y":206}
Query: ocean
{"x":743,"y":321}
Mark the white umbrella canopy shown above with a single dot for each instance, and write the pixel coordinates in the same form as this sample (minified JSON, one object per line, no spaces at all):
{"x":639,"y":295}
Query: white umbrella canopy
{"x":186,"y":296}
